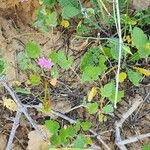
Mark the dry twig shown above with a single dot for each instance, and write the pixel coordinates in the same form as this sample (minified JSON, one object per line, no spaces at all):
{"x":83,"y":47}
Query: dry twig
{"x":13,"y":130}
{"x":20,"y":109}
{"x":121,"y":144}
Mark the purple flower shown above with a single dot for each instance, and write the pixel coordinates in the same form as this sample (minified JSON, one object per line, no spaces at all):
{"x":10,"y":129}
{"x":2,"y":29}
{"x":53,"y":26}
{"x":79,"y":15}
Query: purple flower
{"x":45,"y":63}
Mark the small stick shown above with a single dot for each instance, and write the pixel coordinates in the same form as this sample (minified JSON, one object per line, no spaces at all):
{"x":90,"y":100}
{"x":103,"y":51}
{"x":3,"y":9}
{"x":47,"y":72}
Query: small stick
{"x":83,"y":10}
{"x":21,"y":107}
{"x":116,"y":2}
{"x":118,"y":139}
{"x":134,"y":139}
{"x":137,"y":101}
{"x":13,"y":130}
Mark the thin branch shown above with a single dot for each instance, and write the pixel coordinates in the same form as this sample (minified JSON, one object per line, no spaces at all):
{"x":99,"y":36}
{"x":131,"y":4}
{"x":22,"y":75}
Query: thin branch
{"x":20,"y":106}
{"x":103,"y":5}
{"x":118,"y":138}
{"x":83,"y":10}
{"x":76,"y":107}
{"x":13,"y":130}
{"x":137,"y":101}
{"x":134,"y":139}
{"x":141,"y":106}
{"x":63,"y":116}
{"x":120,"y":50}
{"x":100,"y":139}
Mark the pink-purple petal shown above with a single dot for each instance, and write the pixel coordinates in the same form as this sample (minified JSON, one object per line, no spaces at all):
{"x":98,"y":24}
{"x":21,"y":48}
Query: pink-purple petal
{"x":45,"y":63}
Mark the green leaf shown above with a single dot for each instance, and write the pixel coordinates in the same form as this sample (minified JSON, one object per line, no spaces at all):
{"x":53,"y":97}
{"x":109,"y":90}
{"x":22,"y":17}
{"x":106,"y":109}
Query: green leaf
{"x":91,"y":73}
{"x":53,"y":56}
{"x":2,"y":66}
{"x":55,"y":139}
{"x":90,"y":58}
{"x":77,"y":126}
{"x":143,"y":51}
{"x":134,"y":77}
{"x":86,"y":125}
{"x":61,"y":59}
{"x":22,"y":90}
{"x":64,"y":3}
{"x":35,"y":79}
{"x":52,"y":126}
{"x":70,"y":12}
{"x":107,"y":52}
{"x":138,"y":37}
{"x":81,"y":29}
{"x":54,"y":72}
{"x":119,"y":97}
{"x":80,"y":142}
{"x":127,"y":49}
{"x":51,"y":19}
{"x":33,"y":49}
{"x":102,"y":60}
{"x":108,"y":109}
{"x":107,"y":90}
{"x":146,"y":147}
{"x":114,"y":45}
{"x":92,"y":107}
{"x":68,"y":132}
{"x":48,"y":2}
{"x":135,"y":57}
{"x":92,"y":65}
{"x":23,"y":61}
{"x":140,"y":40}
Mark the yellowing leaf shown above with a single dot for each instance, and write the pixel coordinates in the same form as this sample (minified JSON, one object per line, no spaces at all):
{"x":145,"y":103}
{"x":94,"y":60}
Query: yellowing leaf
{"x":122,"y":76}
{"x":28,"y":82}
{"x":9,"y":103}
{"x":53,"y":82}
{"x":16,"y":83}
{"x":102,"y":117}
{"x":147,"y":46}
{"x":92,"y":93}
{"x":65,"y":23}
{"x":128,"y":38}
{"x":142,"y":71}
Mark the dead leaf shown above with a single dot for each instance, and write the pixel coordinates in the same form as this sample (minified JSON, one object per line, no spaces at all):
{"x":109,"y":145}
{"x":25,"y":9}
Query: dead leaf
{"x":36,"y":142}
{"x":9,"y":103}
{"x":16,"y":83}
{"x":92,"y":93}
{"x":83,"y":45}
{"x":53,"y":82}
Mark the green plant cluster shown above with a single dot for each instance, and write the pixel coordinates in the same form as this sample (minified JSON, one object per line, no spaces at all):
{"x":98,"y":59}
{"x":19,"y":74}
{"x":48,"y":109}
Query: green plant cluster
{"x":70,"y":136}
